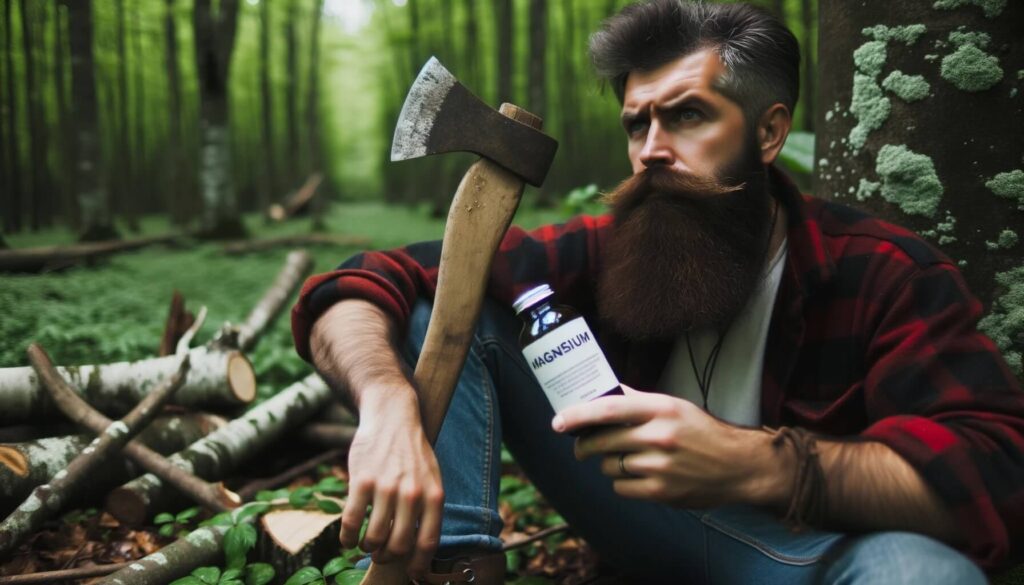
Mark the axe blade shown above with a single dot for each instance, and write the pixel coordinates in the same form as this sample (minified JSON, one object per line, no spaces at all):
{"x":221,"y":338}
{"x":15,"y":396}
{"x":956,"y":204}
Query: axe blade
{"x":441,"y":115}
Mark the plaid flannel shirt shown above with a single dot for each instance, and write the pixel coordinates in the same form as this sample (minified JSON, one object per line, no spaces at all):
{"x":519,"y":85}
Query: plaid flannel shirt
{"x":873,"y":334}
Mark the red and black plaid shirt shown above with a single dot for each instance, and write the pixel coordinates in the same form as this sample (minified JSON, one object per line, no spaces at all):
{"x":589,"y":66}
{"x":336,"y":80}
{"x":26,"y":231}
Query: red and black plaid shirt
{"x":873,"y":334}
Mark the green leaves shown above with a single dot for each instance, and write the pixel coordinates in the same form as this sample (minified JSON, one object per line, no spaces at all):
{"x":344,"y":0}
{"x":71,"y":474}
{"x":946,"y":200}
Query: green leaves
{"x":300,"y":496}
{"x":238,"y":541}
{"x":305,"y":576}
{"x":258,"y":574}
{"x":583,"y":200}
{"x":329,"y":506}
{"x":798,"y":153}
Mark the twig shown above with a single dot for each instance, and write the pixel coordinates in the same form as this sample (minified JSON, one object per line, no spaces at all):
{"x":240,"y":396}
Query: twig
{"x":182,"y":348}
{"x":48,"y":498}
{"x":63,"y":574}
{"x":250,"y":489}
{"x":213,"y":496}
{"x":535,"y":537}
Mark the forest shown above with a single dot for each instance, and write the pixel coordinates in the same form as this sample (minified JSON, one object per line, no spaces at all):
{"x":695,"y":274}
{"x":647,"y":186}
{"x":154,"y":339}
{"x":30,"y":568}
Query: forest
{"x":166,"y":161}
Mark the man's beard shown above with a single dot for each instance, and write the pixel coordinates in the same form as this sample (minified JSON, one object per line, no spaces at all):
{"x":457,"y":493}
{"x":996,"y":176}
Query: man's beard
{"x":686,"y":252}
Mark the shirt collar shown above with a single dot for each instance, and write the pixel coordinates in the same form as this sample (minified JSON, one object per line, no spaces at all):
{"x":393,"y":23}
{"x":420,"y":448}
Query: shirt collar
{"x":809,"y":260}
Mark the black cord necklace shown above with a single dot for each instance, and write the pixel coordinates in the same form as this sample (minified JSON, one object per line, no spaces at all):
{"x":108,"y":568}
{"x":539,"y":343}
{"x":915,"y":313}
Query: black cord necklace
{"x":704,"y":378}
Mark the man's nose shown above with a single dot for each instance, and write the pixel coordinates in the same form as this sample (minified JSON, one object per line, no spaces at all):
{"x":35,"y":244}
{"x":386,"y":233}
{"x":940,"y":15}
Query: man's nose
{"x":657,"y":148}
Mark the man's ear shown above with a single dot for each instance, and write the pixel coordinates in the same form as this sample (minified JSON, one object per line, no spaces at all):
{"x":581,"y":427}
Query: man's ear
{"x":772,"y":129}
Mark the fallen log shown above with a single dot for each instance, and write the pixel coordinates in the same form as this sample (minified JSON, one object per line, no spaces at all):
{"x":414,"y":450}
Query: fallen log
{"x":217,"y":454}
{"x":200,"y":548}
{"x":25,"y":465}
{"x":249,"y":246}
{"x":215,"y":497}
{"x":297,"y":201}
{"x":218,"y":378}
{"x":296,"y":266}
{"x":53,"y":257}
{"x":48,"y":498}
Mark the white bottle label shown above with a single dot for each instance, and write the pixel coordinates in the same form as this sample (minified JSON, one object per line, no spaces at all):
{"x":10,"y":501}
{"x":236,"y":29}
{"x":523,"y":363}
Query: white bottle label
{"x":570,"y":365}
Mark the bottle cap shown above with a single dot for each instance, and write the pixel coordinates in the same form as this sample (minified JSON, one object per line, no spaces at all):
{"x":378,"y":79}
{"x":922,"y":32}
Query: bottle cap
{"x":532,"y":297}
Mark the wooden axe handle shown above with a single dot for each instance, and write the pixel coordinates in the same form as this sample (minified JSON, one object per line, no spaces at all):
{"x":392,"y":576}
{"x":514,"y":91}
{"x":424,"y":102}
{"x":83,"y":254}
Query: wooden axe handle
{"x":480,"y":214}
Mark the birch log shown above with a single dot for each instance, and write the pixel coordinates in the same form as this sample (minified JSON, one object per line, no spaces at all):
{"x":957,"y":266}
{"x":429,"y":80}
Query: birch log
{"x":217,"y":454}
{"x":222,"y":378}
{"x":200,"y":548}
{"x":48,"y":498}
{"x":28,"y":464}
{"x":296,"y":266}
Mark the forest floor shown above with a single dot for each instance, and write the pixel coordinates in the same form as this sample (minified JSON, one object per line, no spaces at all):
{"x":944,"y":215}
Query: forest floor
{"x":115,"y":310}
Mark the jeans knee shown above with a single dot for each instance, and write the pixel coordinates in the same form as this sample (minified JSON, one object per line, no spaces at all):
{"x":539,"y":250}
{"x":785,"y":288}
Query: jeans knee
{"x":901,"y":558}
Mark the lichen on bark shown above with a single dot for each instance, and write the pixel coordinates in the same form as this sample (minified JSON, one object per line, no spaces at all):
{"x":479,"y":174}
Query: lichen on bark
{"x":1009,"y":185}
{"x":908,"y":180}
{"x":991,"y":8}
{"x":909,"y":88}
{"x":971,"y":69}
{"x":1007,"y":239}
{"x":1005,"y":324}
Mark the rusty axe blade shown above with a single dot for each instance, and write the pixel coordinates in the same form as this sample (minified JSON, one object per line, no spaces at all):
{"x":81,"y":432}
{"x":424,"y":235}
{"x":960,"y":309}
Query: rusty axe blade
{"x":441,"y":115}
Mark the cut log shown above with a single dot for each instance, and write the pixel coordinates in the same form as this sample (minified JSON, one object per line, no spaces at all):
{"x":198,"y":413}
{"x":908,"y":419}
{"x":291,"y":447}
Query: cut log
{"x":214,"y":497}
{"x":217,"y":379}
{"x":260,"y":245}
{"x":330,"y":435}
{"x":200,"y":548}
{"x":216,"y":455}
{"x":178,"y":322}
{"x":25,"y":465}
{"x":48,"y":499}
{"x":296,"y":266}
{"x":54,"y":257}
{"x":292,"y":539}
{"x":297,"y":201}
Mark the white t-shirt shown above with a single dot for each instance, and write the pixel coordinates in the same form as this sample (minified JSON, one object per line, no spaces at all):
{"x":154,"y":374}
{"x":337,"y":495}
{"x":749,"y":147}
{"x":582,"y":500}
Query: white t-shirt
{"x":735,"y":391}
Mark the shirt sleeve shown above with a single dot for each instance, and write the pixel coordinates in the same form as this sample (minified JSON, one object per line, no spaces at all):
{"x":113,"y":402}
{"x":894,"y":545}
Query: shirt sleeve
{"x":945,"y":400}
{"x":560,"y":255}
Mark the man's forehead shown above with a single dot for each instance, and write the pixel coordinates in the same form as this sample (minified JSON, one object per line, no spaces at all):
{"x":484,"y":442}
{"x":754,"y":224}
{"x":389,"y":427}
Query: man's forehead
{"x":700,"y":70}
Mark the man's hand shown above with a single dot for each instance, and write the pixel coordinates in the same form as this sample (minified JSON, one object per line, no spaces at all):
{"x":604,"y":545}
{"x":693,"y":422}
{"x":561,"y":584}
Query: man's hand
{"x":393,"y":468}
{"x":676,"y":453}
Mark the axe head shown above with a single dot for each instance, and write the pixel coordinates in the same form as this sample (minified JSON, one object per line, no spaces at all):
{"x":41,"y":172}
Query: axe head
{"x":441,"y":115}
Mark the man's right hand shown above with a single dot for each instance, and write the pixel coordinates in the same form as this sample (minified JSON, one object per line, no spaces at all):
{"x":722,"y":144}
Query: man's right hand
{"x":393,"y":468}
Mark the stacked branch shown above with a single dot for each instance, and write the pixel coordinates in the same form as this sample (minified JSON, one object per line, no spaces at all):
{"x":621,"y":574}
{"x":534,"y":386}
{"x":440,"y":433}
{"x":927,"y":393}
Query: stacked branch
{"x":53,"y":257}
{"x":28,"y":464}
{"x":48,"y":498}
{"x":217,"y":378}
{"x":217,"y":454}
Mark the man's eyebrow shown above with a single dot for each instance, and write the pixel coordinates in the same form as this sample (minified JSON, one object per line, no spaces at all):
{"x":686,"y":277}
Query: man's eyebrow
{"x":689,"y":99}
{"x":631,"y":116}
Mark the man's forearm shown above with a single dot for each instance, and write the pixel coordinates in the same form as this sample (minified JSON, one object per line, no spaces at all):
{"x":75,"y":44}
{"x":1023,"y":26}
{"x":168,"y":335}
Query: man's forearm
{"x":353,"y":347}
{"x":868,"y":485}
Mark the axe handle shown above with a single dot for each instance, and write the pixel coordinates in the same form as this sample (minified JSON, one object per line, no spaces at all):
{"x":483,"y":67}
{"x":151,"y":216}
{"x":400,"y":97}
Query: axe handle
{"x":480,"y":214}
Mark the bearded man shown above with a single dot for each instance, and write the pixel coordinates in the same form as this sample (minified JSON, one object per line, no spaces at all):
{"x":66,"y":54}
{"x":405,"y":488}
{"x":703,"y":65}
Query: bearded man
{"x":812,"y":402}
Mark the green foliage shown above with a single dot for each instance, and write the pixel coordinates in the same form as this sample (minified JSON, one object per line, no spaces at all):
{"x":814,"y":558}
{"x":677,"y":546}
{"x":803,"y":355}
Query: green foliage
{"x":175,"y":524}
{"x":798,"y":153}
{"x":583,"y":200}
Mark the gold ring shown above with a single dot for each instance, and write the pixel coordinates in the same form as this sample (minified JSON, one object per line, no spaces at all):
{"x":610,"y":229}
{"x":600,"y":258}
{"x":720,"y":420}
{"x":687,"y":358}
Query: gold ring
{"x":622,"y":466}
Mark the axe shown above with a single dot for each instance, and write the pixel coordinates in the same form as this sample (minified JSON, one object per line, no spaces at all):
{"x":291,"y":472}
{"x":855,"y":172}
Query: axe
{"x":441,"y":115}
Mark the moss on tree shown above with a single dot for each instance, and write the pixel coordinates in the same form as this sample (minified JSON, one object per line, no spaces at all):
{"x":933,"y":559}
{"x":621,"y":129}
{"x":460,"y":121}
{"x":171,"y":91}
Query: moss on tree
{"x":908,"y":180}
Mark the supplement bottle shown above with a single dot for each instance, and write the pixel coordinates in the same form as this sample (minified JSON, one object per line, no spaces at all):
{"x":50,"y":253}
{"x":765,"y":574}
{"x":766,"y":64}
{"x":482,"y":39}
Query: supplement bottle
{"x":562,"y":351}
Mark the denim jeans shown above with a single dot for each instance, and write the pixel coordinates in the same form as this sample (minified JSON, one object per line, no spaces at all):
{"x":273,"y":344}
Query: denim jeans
{"x":498,"y":399}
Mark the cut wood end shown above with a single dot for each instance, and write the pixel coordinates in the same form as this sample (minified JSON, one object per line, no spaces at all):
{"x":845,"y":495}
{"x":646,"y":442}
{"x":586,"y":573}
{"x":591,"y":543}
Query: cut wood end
{"x":276,"y":212}
{"x":14,"y":460}
{"x":292,"y":530}
{"x":227,"y":497}
{"x":126,"y":506}
{"x":241,"y":377}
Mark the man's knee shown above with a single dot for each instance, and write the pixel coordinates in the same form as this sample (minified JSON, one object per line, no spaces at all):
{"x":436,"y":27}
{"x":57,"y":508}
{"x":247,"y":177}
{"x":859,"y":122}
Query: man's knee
{"x":900,"y":558}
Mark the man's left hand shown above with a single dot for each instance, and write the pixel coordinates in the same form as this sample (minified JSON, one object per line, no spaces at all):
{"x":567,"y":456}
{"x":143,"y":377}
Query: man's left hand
{"x":675,"y":453}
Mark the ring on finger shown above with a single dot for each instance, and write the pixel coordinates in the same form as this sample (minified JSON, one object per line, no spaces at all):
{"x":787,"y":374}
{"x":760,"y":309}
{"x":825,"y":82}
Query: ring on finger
{"x":622,"y":466}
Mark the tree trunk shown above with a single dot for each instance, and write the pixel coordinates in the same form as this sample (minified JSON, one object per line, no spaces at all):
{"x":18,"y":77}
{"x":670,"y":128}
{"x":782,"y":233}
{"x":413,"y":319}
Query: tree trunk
{"x":217,"y":378}
{"x":215,"y":40}
{"x":28,"y":464}
{"x":216,"y":455}
{"x":292,"y":539}
{"x":93,"y":198}
{"x":269,"y":187}
{"x":142,"y":171}
{"x":807,"y":83}
{"x":69,"y":200}
{"x":12,"y":159}
{"x":294,"y":157}
{"x":48,"y":499}
{"x":538,"y":100}
{"x":297,"y":266}
{"x":38,"y":138}
{"x":200,"y":548}
{"x":471,"y":61}
{"x":124,"y":173}
{"x":313,"y":156}
{"x":887,"y":142}
{"x":504,"y":23}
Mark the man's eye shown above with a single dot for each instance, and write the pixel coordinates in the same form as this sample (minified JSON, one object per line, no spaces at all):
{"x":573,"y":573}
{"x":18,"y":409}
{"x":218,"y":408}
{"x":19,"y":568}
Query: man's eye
{"x":635,"y":127}
{"x":689,"y":115}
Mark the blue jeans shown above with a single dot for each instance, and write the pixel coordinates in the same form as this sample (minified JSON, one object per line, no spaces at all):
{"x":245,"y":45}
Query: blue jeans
{"x":498,"y":399}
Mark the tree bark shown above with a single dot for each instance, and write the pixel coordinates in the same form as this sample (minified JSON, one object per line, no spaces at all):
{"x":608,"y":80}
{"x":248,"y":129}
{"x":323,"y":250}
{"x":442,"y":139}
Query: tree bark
{"x":294,"y":158}
{"x":182,"y":201}
{"x":200,"y":548}
{"x":216,"y":455}
{"x":69,"y":200}
{"x":48,"y":499}
{"x":538,"y":99}
{"x":13,"y":218}
{"x":124,"y":175}
{"x":42,"y":187}
{"x":216,"y":378}
{"x":215,"y":40}
{"x":178,"y":322}
{"x":905,"y":158}
{"x":56,"y":257}
{"x":293,"y":539}
{"x":807,"y":84}
{"x":269,"y":188}
{"x":28,"y":464}
{"x":296,"y":267}
{"x":330,"y":435}
{"x":142,"y":170}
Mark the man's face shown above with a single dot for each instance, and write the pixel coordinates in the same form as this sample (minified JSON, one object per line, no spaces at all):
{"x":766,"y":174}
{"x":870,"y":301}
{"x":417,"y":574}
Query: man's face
{"x":675,"y":116}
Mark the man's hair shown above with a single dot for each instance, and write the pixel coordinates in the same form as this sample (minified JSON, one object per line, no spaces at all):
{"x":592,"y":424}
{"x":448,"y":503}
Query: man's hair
{"x":761,"y":55}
